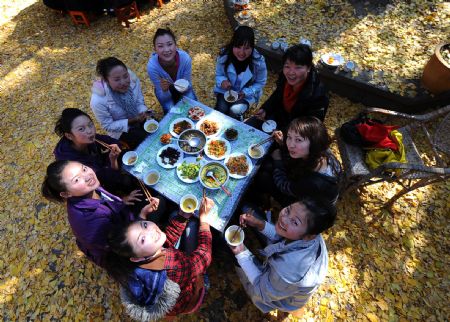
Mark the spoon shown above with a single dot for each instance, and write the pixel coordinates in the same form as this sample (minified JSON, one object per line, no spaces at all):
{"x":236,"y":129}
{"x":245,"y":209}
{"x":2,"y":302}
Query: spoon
{"x":211,"y":174}
{"x":193,"y":142}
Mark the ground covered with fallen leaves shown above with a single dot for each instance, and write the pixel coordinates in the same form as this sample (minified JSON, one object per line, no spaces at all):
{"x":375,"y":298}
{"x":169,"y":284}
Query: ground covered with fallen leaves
{"x":396,"y":37}
{"x":382,"y":268}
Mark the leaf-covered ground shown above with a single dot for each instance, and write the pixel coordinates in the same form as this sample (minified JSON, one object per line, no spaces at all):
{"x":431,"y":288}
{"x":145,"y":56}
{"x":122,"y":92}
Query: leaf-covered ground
{"x":396,"y":38}
{"x":381,"y":268}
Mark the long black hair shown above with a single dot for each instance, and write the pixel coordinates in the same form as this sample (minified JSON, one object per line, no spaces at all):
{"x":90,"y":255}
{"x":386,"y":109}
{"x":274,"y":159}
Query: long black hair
{"x":105,"y":65}
{"x":320,"y":215}
{"x":64,"y":123}
{"x":161,"y":32}
{"x":243,"y":35}
{"x":53,"y":185}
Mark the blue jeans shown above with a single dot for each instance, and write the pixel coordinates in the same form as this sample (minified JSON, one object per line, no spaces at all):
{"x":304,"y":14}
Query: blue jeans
{"x":234,"y":110}
{"x":189,"y":239}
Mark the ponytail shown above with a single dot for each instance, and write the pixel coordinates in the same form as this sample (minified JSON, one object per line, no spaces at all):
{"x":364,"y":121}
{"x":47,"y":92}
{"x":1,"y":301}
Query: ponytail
{"x":53,"y":185}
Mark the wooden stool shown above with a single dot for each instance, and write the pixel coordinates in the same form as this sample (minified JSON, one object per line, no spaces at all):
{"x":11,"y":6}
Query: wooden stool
{"x":127,"y":12}
{"x":79,"y":18}
{"x":159,"y":2}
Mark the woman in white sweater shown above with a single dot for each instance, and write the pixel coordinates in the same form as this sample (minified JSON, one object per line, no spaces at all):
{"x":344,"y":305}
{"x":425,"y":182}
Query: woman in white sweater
{"x":118,"y":103}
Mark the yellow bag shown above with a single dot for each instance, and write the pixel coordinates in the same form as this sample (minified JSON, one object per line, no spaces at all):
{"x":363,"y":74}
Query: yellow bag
{"x":376,"y":157}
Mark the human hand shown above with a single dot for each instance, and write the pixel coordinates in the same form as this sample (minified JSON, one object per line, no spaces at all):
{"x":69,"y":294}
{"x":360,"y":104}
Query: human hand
{"x":278,"y":137}
{"x":248,"y":219}
{"x":164,"y":84}
{"x":138,"y":119}
{"x":260,"y":114}
{"x":205,"y":206}
{"x":276,"y":155}
{"x":114,"y":153}
{"x":237,"y":249}
{"x":132,"y":197}
{"x":151,"y":207}
{"x":226,"y":85}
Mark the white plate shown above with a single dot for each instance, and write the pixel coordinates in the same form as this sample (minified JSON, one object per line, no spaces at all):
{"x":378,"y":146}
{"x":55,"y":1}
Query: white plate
{"x":181,"y":85}
{"x":227,"y":152}
{"x":337,"y":59}
{"x":206,"y":118}
{"x":178,"y":121}
{"x":189,"y":160}
{"x":269,"y":126}
{"x":249,"y":162}
{"x":233,"y":93}
{"x":169,"y":166}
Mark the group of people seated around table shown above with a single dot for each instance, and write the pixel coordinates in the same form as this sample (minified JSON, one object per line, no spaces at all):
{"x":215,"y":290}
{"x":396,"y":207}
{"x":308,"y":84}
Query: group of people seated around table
{"x":162,"y":271}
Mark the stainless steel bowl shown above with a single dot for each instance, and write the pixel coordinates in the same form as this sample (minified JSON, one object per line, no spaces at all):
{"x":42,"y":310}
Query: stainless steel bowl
{"x":189,"y":134}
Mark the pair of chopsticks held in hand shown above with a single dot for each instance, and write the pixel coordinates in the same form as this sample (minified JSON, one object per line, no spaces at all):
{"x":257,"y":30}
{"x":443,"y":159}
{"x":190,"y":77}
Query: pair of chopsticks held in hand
{"x":237,"y":232}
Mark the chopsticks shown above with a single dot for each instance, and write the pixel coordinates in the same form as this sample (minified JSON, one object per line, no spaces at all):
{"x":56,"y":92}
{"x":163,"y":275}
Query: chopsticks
{"x":145,"y":190}
{"x":103,"y":144}
{"x":238,"y":231}
{"x":204,"y":196}
{"x":262,"y":142}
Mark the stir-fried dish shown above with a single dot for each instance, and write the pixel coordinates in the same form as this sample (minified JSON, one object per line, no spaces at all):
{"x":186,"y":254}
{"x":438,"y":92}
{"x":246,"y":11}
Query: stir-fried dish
{"x":181,"y":126}
{"x":209,"y":127}
{"x":238,"y":165}
{"x":217,"y":148}
{"x":196,"y":113}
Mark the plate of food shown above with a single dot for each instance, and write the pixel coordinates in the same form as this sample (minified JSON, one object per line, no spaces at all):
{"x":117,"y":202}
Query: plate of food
{"x":169,"y":156}
{"x":219,"y":171}
{"x":195,"y":113}
{"x":217,"y":149}
{"x":239,"y":165}
{"x":208,"y":126}
{"x":332,"y":60}
{"x":180,"y":125}
{"x":188,"y":170}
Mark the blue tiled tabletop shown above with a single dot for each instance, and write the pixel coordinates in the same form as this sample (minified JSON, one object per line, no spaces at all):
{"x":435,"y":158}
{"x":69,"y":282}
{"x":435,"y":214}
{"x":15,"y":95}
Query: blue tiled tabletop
{"x":173,"y":188}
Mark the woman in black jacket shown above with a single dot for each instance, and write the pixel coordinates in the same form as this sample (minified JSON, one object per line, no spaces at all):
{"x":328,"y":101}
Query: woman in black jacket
{"x":299,"y":91}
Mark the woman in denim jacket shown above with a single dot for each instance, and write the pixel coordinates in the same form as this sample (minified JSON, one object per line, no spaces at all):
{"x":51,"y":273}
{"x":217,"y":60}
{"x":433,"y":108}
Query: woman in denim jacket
{"x":241,"y":68}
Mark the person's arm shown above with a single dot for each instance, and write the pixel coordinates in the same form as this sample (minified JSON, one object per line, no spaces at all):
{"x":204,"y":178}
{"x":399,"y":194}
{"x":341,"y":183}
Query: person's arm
{"x":255,"y":90}
{"x":104,"y":117}
{"x":154,"y":72}
{"x":186,"y":73}
{"x":280,"y":177}
{"x":221,"y":74}
{"x":174,"y":229}
{"x":318,"y":104}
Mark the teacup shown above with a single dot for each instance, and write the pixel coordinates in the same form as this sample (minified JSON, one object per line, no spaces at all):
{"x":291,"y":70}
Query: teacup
{"x":130,"y":158}
{"x":151,"y":177}
{"x":189,"y":203}
{"x":232,"y":237}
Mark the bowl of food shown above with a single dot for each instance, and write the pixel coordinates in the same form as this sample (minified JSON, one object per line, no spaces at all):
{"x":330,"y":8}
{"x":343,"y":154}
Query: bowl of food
{"x":234,"y":235}
{"x":189,"y":203}
{"x":130,"y":158}
{"x":231,"y":96}
{"x":151,"y":126}
{"x":151,"y":177}
{"x":332,"y":60}
{"x":219,"y":171}
{"x":181,"y":85}
{"x":255,"y":152}
{"x":166,"y":138}
{"x":195,"y":113}
{"x":209,"y":126}
{"x":231,"y":134}
{"x":195,"y":141}
{"x":180,"y":125}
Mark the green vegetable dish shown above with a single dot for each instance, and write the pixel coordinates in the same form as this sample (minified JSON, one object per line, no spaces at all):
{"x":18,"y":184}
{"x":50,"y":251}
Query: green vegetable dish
{"x":189,"y":170}
{"x":219,"y":172}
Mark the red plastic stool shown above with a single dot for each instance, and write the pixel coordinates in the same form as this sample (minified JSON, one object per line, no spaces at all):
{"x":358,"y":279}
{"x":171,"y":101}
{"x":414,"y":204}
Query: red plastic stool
{"x":125,"y":13}
{"x":79,"y":18}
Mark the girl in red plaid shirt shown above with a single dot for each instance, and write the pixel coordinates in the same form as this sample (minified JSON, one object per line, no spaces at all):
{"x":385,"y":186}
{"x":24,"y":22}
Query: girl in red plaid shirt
{"x":156,"y":279}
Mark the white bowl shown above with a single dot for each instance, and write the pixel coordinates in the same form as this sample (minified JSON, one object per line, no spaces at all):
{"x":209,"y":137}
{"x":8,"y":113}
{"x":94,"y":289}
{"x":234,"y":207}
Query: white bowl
{"x":232,"y":93}
{"x":229,"y":233}
{"x":332,"y":60}
{"x":148,"y":177}
{"x":206,"y":167}
{"x":188,"y":207}
{"x":130,"y":158}
{"x":254,"y":155}
{"x":269,"y":126}
{"x":148,"y":124}
{"x":181,"y":85}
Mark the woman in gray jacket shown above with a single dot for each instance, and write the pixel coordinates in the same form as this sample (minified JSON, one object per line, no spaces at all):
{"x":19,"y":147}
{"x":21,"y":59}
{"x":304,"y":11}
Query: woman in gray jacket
{"x":118,"y":103}
{"x":296,"y":256}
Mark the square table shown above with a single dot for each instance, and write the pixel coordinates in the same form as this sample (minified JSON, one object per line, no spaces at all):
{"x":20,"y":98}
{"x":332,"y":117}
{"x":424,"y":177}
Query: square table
{"x":173,"y":188}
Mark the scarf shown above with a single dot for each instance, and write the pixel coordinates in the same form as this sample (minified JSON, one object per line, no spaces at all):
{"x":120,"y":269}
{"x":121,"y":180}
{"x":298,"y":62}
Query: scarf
{"x":126,"y":101}
{"x":146,"y":285}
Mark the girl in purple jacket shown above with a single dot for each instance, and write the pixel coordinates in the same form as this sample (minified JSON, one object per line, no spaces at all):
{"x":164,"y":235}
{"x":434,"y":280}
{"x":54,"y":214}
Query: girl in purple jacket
{"x":91,"y":210}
